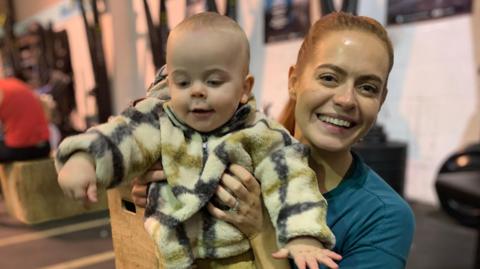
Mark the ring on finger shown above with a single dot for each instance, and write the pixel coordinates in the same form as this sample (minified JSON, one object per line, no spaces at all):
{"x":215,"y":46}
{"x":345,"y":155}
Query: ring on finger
{"x":234,"y":208}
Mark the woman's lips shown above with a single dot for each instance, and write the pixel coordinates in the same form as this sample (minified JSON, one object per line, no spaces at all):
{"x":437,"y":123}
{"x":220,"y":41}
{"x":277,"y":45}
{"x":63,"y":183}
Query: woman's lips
{"x":341,"y":122}
{"x":335,"y":125}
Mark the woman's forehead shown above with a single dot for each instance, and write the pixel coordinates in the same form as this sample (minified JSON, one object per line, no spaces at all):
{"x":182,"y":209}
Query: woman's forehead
{"x":357,"y":50}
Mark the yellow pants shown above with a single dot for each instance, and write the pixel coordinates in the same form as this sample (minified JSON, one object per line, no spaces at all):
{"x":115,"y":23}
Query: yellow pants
{"x":242,"y":261}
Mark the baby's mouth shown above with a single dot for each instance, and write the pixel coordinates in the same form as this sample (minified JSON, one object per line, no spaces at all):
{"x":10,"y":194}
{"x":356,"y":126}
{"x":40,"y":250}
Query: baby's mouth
{"x":342,"y":123}
{"x":201,"y":111}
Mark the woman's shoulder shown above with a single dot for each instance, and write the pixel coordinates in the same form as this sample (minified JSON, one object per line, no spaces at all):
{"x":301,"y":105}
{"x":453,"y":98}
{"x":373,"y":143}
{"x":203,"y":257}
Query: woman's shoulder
{"x":370,"y":193}
{"x":374,"y":185}
{"x":394,"y":210}
{"x":380,"y":219}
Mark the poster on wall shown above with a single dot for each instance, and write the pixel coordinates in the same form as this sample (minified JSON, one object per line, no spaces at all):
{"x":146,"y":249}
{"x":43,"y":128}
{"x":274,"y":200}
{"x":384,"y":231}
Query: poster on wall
{"x":405,"y":11}
{"x":286,"y":19}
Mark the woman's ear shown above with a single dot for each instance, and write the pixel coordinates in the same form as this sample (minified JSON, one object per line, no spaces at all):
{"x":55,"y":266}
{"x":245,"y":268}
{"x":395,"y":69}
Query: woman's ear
{"x":292,"y":81}
{"x":247,"y":88}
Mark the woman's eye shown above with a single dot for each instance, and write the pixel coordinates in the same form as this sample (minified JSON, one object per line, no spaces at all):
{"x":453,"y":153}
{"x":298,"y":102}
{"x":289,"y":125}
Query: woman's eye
{"x":369,"y":89}
{"x":327,"y":79}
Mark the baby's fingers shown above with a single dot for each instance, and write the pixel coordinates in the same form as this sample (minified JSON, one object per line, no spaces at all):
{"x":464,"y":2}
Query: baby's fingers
{"x":281,"y":254}
{"x":92,"y":193}
{"x":300,"y":262}
{"x":327,"y":261}
{"x":79,"y":194}
{"x":68,"y":192}
{"x":332,"y":255}
{"x":311,"y":262}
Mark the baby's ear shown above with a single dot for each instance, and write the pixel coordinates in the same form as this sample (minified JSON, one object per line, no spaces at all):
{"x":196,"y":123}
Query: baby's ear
{"x":247,"y":88}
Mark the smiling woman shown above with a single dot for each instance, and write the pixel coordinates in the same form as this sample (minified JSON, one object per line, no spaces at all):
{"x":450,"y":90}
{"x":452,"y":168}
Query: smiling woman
{"x":337,"y":88}
{"x":338,"y":99}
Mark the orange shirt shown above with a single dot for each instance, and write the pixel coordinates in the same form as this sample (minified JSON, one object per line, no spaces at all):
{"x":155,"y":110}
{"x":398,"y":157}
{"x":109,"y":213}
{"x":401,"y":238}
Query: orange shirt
{"x":22,"y":116}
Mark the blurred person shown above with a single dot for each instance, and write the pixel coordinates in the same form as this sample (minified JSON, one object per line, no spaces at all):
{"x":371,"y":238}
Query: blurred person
{"x":25,"y":131}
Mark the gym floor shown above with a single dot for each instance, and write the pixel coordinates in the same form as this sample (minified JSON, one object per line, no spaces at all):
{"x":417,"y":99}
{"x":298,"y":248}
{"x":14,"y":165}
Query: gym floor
{"x":85,"y":242}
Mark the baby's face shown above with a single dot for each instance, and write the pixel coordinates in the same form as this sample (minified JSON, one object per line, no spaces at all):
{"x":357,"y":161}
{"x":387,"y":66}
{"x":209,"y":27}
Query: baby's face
{"x":206,"y":78}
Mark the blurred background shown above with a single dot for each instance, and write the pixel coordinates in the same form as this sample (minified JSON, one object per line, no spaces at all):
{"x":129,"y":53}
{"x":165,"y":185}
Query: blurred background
{"x":87,"y":60}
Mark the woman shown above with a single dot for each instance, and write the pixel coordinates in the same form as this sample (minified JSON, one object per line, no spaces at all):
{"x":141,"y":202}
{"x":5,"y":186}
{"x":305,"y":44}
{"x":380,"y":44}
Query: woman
{"x":336,"y":89}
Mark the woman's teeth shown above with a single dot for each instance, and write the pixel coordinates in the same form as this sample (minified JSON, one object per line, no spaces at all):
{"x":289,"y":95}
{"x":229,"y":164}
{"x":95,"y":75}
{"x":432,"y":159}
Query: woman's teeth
{"x":334,"y":121}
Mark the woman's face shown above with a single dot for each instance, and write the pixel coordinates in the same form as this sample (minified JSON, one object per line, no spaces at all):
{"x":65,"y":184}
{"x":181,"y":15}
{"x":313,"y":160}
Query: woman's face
{"x":340,"y":90}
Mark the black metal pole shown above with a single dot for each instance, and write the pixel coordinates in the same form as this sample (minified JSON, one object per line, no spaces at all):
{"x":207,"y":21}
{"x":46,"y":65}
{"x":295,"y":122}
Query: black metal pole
{"x":104,"y":102}
{"x":163,"y":32}
{"x":212,"y":6}
{"x":152,"y":35}
{"x":327,"y":7}
{"x":11,"y":50}
{"x":350,"y":6}
{"x":232,"y":9}
{"x":95,"y":45}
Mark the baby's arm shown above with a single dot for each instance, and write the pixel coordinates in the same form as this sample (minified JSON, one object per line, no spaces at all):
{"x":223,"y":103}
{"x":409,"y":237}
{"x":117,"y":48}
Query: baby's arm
{"x":122,"y":148}
{"x":296,"y":206}
{"x":292,"y":197}
{"x":308,"y":251}
{"x":77,"y":177}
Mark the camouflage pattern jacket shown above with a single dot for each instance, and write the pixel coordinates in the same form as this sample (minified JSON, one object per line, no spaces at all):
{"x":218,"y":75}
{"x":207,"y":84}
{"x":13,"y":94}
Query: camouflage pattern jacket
{"x":194,"y":162}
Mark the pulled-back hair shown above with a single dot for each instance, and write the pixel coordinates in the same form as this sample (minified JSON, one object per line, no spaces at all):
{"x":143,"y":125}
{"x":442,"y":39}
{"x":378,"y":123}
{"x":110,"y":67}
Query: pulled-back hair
{"x":336,"y":21}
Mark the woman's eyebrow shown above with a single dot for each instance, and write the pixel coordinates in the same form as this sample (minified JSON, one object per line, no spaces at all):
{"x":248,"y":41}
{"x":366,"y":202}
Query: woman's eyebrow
{"x":335,"y":68}
{"x":341,"y":71}
{"x":371,"y":77}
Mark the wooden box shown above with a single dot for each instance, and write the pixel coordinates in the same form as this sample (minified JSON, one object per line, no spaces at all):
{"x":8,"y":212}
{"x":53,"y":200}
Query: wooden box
{"x":32,"y":194}
{"x":132,"y":245}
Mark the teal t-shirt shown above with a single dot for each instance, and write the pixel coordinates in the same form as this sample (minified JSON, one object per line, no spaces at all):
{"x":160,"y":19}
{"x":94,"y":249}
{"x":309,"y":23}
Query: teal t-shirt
{"x":373,"y":225}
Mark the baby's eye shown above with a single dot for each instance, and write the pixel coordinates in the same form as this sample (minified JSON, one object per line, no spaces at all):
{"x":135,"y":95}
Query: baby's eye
{"x":182,"y":83}
{"x":214,"y":82}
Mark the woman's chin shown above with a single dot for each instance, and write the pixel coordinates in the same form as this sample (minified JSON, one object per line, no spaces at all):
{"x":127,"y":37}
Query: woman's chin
{"x":333,"y":145}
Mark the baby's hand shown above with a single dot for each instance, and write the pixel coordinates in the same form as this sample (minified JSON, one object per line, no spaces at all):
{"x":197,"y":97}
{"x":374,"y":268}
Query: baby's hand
{"x":77,"y":178}
{"x":307,"y":251}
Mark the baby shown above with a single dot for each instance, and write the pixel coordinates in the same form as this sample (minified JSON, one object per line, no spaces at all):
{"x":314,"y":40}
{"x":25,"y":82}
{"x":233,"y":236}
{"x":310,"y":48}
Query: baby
{"x":209,"y":123}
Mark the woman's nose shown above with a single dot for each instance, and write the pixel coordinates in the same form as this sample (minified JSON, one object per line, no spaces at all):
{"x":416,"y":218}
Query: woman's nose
{"x":345,"y":97}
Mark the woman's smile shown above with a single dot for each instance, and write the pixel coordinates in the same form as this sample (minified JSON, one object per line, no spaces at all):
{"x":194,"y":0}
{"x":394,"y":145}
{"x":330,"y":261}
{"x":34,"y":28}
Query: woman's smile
{"x":334,"y":124}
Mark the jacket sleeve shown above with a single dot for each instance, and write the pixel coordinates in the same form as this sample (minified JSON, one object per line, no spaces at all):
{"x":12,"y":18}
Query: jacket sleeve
{"x":291,"y":194}
{"x":123,"y":147}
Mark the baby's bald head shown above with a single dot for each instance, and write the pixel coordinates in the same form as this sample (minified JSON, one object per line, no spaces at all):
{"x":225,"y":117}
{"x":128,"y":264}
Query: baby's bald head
{"x":234,"y":35}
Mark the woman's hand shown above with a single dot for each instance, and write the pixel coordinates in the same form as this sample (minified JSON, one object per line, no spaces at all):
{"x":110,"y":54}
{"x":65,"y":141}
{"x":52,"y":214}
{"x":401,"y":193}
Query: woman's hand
{"x":140,"y":184}
{"x":246,"y":211}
